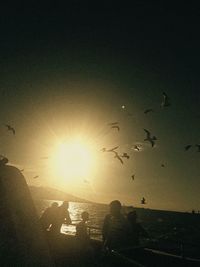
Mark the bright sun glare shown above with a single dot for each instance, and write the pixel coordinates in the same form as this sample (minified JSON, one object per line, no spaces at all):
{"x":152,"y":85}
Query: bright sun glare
{"x":74,"y":160}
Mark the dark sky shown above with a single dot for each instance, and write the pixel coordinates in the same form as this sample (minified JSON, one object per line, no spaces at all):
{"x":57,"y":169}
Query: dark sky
{"x":78,"y":64}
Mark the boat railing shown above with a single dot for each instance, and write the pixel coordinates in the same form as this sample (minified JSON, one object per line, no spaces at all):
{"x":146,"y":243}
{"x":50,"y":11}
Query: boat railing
{"x":95,"y":231}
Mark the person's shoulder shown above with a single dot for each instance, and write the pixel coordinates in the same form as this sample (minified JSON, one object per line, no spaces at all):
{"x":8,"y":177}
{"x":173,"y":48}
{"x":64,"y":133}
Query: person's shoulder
{"x":11,"y":171}
{"x":10,"y":168}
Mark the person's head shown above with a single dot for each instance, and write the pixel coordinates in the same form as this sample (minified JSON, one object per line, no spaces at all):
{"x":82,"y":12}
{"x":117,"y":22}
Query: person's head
{"x":54,"y":205}
{"x":132,"y":216}
{"x":85,"y":216}
{"x":115,"y":207}
{"x":65,"y":204}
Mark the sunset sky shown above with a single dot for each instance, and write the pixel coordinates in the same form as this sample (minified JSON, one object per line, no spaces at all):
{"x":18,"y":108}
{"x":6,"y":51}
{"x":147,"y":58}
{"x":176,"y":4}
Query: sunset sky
{"x":68,"y":71}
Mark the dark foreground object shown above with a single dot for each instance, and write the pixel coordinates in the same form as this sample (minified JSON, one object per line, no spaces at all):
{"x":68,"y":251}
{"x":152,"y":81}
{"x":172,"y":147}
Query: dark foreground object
{"x":22,"y":242}
{"x":66,"y":252}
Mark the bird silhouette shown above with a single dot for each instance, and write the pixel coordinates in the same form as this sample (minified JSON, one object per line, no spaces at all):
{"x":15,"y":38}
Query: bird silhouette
{"x":148,"y":110}
{"x":150,"y":138}
{"x":35,"y":176}
{"x":112,"y":150}
{"x":125,"y":155}
{"x":166,"y":101}
{"x":118,"y":157}
{"x":133,"y":177}
{"x":115,"y":127}
{"x":113,"y":123}
{"x":187,"y":147}
{"x":109,"y":150}
{"x":162,"y":165}
{"x":10,"y":128}
{"x":136,"y":148}
{"x":143,"y":201}
{"x":198,"y":146}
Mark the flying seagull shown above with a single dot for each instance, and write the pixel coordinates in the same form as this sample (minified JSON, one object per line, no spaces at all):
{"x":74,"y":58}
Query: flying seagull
{"x":109,"y":150}
{"x":113,"y":123}
{"x":125,"y":155}
{"x":198,"y":146}
{"x":10,"y":128}
{"x":150,"y":138}
{"x":136,"y":148}
{"x":165,"y":102}
{"x":187,"y":147}
{"x":143,"y":201}
{"x":35,"y":176}
{"x":112,"y":150}
{"x":148,"y":110}
{"x":118,"y":157}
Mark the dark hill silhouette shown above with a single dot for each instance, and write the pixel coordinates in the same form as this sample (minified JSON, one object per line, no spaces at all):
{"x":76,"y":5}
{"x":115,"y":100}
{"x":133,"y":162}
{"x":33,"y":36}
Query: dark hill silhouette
{"x":49,"y":193}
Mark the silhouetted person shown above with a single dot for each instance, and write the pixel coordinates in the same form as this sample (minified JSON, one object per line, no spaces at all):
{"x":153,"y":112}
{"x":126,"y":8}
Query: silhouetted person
{"x":115,"y":227}
{"x":83,"y":240}
{"x":22,"y":241}
{"x":81,"y":228}
{"x":49,"y":216}
{"x":62,"y":217}
{"x":136,"y":229}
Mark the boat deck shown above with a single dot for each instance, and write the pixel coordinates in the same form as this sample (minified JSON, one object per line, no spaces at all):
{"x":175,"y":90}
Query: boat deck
{"x":66,"y":251}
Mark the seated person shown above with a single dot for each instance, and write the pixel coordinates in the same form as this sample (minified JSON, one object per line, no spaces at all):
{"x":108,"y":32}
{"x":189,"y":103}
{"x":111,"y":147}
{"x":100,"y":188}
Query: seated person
{"x":115,"y":227}
{"x":136,"y":229}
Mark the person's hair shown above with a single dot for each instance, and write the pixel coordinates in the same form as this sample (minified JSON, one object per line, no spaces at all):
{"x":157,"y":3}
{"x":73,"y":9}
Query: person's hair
{"x":54,"y":204}
{"x":115,"y":208}
{"x":115,"y":204}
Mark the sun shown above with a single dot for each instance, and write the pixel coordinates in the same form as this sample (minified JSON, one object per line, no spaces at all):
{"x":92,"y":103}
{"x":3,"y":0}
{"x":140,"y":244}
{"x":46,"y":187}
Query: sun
{"x":74,"y":160}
